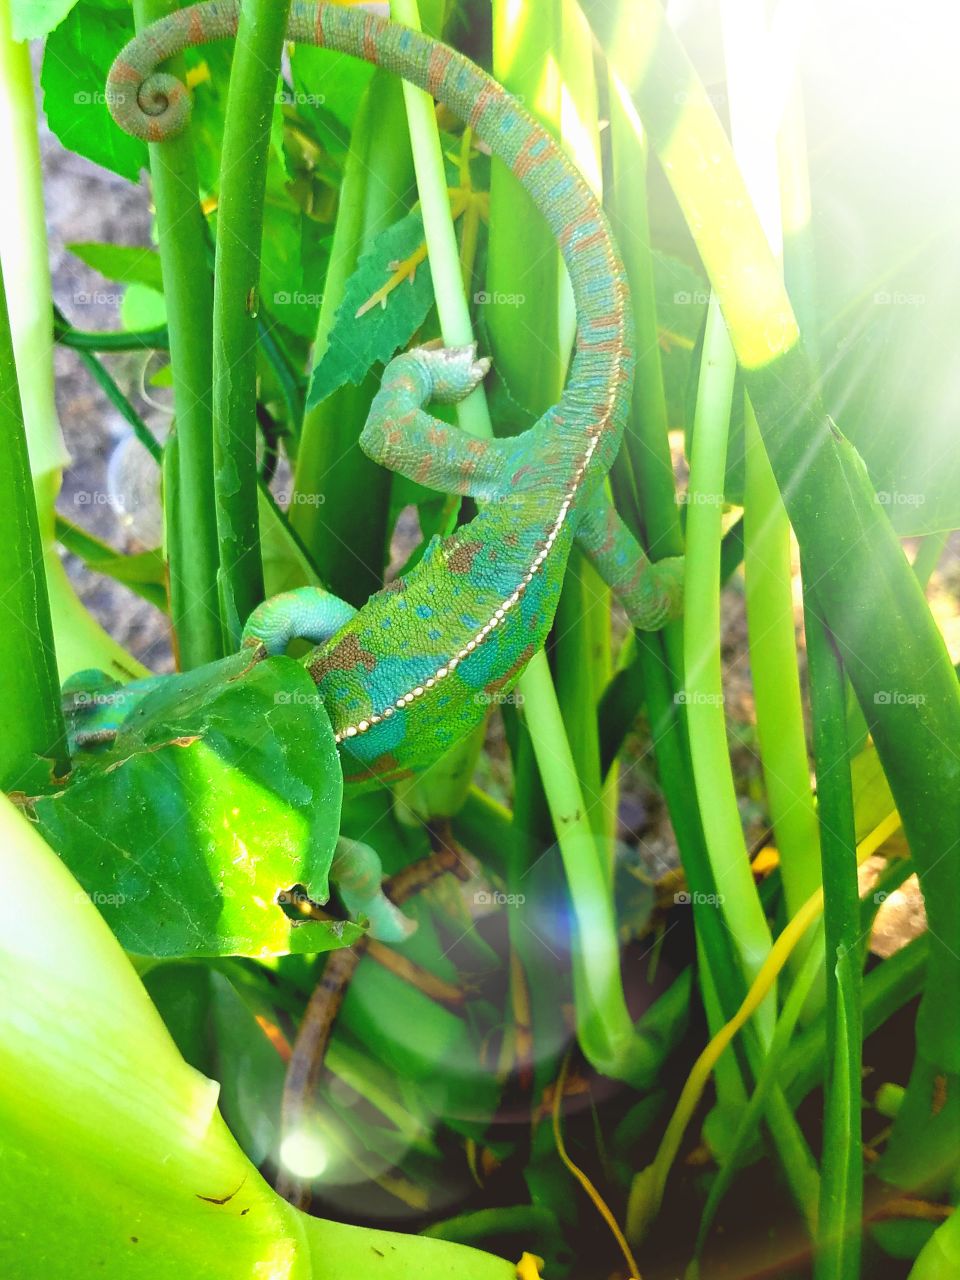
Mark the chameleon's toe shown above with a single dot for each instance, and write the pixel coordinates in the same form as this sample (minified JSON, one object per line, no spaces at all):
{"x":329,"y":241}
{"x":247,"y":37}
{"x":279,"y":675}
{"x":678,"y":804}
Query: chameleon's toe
{"x":660,"y":598}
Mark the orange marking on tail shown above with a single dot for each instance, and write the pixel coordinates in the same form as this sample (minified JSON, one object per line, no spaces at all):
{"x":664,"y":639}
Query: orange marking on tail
{"x":440,"y":56}
{"x":484,"y":98}
{"x":370,"y":27}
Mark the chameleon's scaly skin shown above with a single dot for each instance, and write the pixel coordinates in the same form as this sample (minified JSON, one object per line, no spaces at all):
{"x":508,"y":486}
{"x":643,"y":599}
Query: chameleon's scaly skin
{"x":412,"y":672}
{"x":357,"y":872}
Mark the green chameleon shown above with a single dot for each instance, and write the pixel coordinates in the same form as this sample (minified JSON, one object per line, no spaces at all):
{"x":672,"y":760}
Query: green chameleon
{"x":411,"y":672}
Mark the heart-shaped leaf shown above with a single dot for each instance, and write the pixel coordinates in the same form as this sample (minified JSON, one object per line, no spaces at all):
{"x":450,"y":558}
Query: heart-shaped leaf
{"x":222,"y":791}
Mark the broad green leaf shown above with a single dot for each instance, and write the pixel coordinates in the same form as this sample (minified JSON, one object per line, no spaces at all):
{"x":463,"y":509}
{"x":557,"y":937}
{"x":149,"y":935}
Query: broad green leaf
{"x":76,"y":60}
{"x":127,"y":264}
{"x":114,"y":1160}
{"x":887,"y":279}
{"x":221,"y":792}
{"x":358,"y":343}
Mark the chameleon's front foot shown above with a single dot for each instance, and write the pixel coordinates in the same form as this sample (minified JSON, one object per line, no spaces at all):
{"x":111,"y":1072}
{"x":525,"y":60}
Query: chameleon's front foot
{"x":401,"y":435}
{"x":306,"y":613}
{"x":452,"y":372}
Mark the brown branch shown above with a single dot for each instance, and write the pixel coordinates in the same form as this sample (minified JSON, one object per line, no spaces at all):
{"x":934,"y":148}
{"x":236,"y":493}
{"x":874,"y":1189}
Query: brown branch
{"x":313,"y":1037}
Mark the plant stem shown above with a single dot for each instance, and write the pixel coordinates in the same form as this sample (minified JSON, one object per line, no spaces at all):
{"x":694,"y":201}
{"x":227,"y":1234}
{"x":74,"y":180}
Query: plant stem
{"x":523,"y":261}
{"x":767,"y":559}
{"x":108,"y":386}
{"x":887,"y":637}
{"x":603,"y":1022}
{"x":841,"y":1192}
{"x":81,"y":642}
{"x":581,"y":652}
{"x":350,"y":553}
{"x":193,"y":553}
{"x":134,"y":340}
{"x":32,"y":716}
{"x":243,"y":174}
{"x":703,"y":695}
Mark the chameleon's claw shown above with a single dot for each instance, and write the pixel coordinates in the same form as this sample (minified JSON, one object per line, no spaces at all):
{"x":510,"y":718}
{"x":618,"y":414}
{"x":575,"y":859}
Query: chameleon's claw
{"x":454,"y":371}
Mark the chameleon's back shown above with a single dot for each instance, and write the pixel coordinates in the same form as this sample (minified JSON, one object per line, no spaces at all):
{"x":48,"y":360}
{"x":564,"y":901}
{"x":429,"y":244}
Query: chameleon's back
{"x":416,"y":668}
{"x":405,"y":698}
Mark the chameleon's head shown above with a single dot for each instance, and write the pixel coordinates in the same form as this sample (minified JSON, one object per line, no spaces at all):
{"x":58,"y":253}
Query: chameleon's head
{"x":153,"y":107}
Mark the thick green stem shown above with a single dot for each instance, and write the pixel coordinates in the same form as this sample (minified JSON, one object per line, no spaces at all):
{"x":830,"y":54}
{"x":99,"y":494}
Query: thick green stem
{"x":32,"y":717}
{"x":889,"y":642}
{"x":349,"y":552}
{"x":703,"y":694}
{"x":243,"y":175}
{"x":841,"y":1192}
{"x":603,"y":1022}
{"x":767,"y":559}
{"x":81,"y":642}
{"x":193,"y":554}
{"x":523,"y":265}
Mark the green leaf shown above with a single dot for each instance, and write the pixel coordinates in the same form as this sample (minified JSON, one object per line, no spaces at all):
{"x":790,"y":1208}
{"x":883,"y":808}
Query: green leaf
{"x":221,"y":792}
{"x":356,"y":344}
{"x":144,"y":572}
{"x":887,"y":274}
{"x":114,"y":1160}
{"x":35,"y":18}
{"x":142,"y":308}
{"x":76,"y":60}
{"x":128,"y":264}
{"x":333,"y":81}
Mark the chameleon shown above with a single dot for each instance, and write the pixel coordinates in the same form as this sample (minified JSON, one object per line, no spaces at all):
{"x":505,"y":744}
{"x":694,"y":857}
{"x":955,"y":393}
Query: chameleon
{"x":411,"y":672}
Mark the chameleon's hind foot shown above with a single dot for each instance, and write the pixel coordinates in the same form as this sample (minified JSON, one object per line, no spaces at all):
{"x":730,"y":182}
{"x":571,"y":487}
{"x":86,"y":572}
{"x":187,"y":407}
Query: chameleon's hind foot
{"x":657,"y":596}
{"x":357,"y":874}
{"x":651,"y":592}
{"x":453,"y":371}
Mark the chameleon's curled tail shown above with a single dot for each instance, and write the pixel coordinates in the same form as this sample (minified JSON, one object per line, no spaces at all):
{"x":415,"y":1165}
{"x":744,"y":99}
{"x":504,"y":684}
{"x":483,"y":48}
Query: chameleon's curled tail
{"x":155,"y":105}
